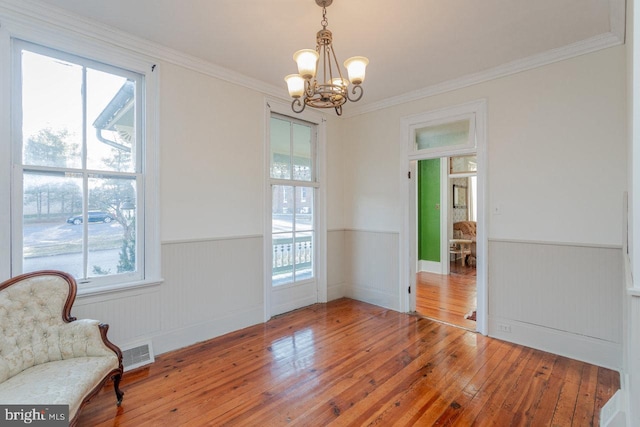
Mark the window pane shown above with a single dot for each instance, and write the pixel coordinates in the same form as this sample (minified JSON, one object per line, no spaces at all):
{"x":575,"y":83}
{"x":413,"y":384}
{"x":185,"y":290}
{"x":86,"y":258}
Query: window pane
{"x":282,"y":208}
{"x":51,"y":240}
{"x":51,"y":111}
{"x":304,"y":208}
{"x":111,"y":131}
{"x":112,"y":226}
{"x":280,"y":148}
{"x":303,"y":257}
{"x":445,"y":135}
{"x":463,"y":164}
{"x":301,"y":152}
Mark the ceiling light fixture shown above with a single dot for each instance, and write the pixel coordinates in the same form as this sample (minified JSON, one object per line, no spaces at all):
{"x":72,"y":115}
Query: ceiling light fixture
{"x":332,"y":91}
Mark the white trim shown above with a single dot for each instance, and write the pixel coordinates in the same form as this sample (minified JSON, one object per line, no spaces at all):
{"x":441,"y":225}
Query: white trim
{"x":445,"y":215}
{"x":440,"y":118}
{"x":32,"y":13}
{"x":573,"y":50}
{"x":405,"y":256}
{"x":580,"y":347}
{"x":29,"y":12}
{"x":373,"y":296}
{"x":211,"y":239}
{"x":542,"y":242}
{"x":33,"y":29}
{"x":430,"y":266}
{"x":282,"y":108}
{"x":612,"y":413}
{"x":188,"y":335}
{"x":5,"y":152}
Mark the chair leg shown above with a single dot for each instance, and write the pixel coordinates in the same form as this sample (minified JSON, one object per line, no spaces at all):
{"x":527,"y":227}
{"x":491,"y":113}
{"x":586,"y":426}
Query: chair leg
{"x":116,"y":387}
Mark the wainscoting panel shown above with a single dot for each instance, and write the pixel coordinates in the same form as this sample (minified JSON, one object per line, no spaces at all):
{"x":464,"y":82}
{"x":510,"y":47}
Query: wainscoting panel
{"x":131,"y":315}
{"x":562,"y":298}
{"x":372,"y":267}
{"x":335,"y":264}
{"x":633,"y":359}
{"x":211,"y":287}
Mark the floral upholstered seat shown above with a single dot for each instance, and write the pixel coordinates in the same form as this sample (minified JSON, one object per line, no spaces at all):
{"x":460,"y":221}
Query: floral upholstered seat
{"x":47,"y":356}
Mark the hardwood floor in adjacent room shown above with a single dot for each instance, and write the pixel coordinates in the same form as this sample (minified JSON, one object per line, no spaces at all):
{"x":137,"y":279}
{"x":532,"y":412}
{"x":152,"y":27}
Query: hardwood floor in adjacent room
{"x":448,"y":298}
{"x":347,"y":363}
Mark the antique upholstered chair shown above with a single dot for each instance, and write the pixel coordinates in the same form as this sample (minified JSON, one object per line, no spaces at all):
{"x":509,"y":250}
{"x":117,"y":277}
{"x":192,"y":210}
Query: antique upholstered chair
{"x":48,"y":357}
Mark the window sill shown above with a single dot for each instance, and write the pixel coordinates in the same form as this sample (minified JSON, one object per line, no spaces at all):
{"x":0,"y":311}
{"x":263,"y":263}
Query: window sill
{"x":90,"y":291}
{"x":633,"y":292}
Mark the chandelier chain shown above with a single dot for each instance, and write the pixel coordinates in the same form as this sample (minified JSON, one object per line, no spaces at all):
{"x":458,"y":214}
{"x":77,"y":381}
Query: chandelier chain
{"x":320,"y":83}
{"x":325,"y":21}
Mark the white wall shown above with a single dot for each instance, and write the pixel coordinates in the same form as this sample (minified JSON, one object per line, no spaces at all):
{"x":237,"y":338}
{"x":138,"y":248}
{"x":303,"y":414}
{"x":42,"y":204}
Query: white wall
{"x":212,"y":181}
{"x":212,"y":171}
{"x":631,"y":373}
{"x":556,"y":167}
{"x":556,"y":152}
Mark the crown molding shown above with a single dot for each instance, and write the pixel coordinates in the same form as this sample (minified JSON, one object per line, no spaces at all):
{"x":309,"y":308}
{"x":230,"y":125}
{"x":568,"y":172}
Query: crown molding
{"x":39,"y":16}
{"x":573,"y":50}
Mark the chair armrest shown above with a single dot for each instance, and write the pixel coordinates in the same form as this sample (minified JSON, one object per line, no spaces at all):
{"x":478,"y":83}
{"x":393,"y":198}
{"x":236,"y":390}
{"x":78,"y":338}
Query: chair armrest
{"x":83,"y":338}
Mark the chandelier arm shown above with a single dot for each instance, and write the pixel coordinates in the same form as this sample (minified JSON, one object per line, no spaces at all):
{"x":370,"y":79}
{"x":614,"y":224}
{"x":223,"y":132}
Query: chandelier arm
{"x":297,"y":106}
{"x":309,"y":88}
{"x":358,"y":93}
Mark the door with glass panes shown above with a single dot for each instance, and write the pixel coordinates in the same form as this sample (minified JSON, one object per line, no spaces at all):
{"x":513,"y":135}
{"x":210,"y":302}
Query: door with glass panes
{"x":293,"y":183}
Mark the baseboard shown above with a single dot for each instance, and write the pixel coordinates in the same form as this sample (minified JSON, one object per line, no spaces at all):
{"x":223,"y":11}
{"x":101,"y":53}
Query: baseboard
{"x":613,"y":412}
{"x":192,"y":334}
{"x":293,"y":305}
{"x":372,"y":296}
{"x":335,"y":291}
{"x":430,"y":266}
{"x":591,"y":350}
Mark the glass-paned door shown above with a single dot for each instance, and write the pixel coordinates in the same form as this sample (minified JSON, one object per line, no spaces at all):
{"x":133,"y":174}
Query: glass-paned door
{"x":293,"y":182}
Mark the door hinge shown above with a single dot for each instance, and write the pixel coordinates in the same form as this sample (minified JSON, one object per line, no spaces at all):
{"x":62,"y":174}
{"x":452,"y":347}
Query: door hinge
{"x":409,"y":289}
{"x":409,"y":175}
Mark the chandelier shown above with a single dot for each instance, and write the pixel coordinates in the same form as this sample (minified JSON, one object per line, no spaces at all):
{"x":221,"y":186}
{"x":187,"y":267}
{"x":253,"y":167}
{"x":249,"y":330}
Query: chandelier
{"x":330,"y":90}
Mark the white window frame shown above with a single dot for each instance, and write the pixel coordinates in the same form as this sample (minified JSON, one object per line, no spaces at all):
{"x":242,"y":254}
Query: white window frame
{"x":440,"y":118}
{"x":320,"y":205}
{"x":71,"y":43}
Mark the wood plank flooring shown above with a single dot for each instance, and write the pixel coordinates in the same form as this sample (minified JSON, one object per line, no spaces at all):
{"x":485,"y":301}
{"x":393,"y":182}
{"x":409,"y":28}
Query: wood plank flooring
{"x":347,"y":363}
{"x":448,"y":297}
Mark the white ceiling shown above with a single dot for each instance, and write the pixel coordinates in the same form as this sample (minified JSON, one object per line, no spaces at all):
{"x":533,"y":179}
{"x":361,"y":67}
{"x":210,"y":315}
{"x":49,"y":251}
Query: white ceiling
{"x":411,"y":44}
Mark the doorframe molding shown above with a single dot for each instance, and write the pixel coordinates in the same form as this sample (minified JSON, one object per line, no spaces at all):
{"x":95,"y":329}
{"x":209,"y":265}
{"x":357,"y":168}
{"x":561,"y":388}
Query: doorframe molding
{"x":408,"y":245}
{"x":320,"y":201}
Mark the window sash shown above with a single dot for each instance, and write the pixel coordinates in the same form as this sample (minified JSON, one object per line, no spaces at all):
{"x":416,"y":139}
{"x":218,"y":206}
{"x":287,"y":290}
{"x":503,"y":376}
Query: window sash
{"x":136,"y":176}
{"x":293,"y":251}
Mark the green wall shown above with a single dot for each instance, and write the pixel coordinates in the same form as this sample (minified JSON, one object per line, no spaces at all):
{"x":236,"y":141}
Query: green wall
{"x":428,"y":210}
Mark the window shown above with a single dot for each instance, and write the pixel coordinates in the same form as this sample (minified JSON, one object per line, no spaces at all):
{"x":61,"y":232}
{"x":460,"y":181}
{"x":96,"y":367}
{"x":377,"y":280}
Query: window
{"x":293,"y":181}
{"x":78,"y":188}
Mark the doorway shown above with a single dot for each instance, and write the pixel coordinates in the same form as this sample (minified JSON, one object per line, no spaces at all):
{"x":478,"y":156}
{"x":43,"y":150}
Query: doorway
{"x":449,"y":132}
{"x":446,"y":289}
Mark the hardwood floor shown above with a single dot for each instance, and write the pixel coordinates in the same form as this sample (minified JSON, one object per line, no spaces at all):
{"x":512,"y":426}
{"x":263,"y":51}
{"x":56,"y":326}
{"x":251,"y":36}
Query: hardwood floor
{"x":351,"y":363}
{"x":448,"y":297}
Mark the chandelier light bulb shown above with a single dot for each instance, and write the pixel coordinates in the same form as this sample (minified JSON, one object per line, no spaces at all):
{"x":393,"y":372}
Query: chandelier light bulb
{"x":356,"y":67}
{"x":307,"y":59}
{"x":295,"y":84}
{"x":320,"y":82}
